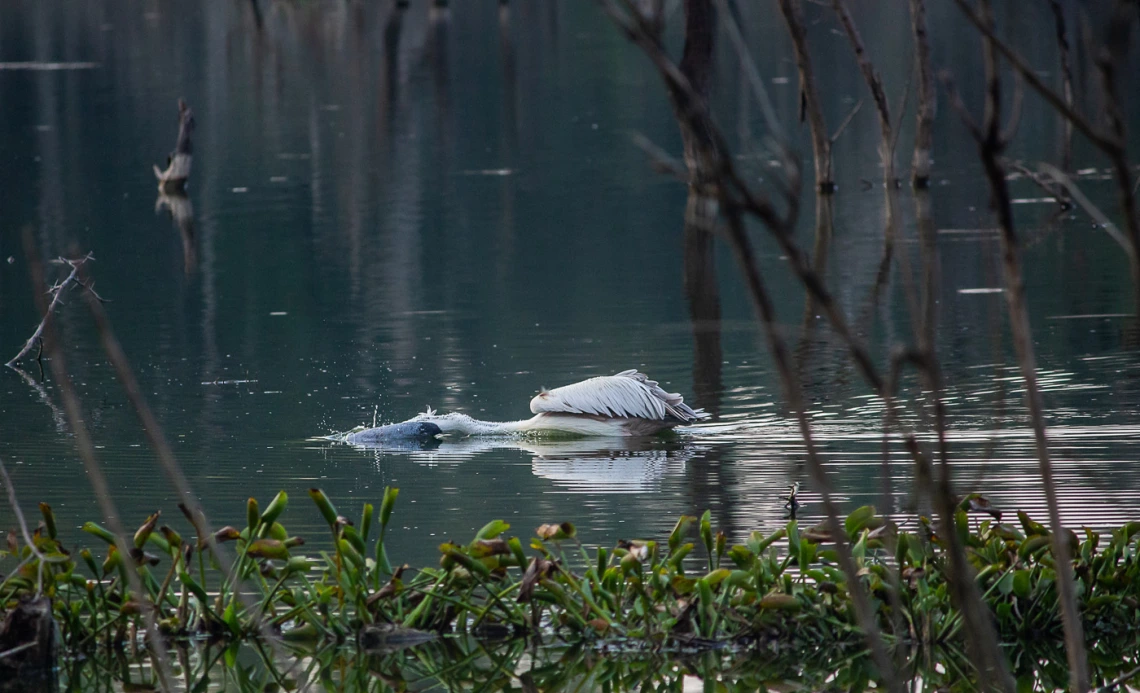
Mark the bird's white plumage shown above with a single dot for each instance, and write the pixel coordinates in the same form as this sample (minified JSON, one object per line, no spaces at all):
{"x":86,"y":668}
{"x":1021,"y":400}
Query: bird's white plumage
{"x":629,"y":394}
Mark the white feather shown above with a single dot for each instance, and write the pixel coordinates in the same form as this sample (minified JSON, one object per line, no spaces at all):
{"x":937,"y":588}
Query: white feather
{"x":628,"y":394}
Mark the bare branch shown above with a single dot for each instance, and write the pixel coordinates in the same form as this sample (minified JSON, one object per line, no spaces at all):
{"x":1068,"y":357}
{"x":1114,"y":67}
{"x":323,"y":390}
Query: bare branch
{"x":1027,"y":72}
{"x":957,"y":104}
{"x":846,"y":121}
{"x":990,"y":146}
{"x":56,"y":292}
{"x":659,"y":159}
{"x":809,"y":96}
{"x":1066,"y":81}
{"x":1093,"y":211}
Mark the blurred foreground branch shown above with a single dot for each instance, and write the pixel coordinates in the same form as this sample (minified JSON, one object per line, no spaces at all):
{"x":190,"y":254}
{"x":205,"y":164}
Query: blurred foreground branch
{"x":992,"y":141}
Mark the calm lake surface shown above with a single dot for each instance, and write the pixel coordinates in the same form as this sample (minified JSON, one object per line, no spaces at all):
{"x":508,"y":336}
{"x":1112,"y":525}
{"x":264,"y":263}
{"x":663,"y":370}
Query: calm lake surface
{"x":394,"y":210}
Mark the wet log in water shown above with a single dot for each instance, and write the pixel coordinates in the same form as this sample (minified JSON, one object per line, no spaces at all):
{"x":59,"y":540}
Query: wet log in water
{"x":28,"y":645}
{"x":177,"y":172}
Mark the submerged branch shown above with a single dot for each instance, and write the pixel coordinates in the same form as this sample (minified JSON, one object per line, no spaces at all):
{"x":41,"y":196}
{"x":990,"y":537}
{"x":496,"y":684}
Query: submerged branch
{"x":56,"y":292}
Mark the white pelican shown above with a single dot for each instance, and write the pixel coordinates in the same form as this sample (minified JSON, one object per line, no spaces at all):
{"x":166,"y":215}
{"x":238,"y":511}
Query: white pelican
{"x":625,"y":404}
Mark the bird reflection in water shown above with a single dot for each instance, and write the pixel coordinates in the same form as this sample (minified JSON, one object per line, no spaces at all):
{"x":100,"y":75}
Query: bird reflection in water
{"x":182,"y":213}
{"x":618,"y":464}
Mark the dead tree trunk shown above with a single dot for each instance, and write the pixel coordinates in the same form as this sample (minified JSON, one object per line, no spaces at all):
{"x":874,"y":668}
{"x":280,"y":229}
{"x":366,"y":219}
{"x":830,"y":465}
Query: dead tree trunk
{"x":810,"y":108}
{"x":696,"y":65}
{"x":924,"y":113}
{"x":174,"y":178}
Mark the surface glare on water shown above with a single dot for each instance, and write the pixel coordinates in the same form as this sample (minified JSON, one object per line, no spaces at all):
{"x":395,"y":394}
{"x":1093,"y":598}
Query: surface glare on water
{"x":447,"y":210}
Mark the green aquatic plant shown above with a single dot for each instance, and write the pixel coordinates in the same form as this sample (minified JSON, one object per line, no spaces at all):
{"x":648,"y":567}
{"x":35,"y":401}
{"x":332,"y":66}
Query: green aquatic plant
{"x":691,"y":592}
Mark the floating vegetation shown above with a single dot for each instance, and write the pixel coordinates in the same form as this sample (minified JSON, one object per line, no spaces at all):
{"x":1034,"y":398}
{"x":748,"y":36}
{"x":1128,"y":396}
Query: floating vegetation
{"x":689,"y":593}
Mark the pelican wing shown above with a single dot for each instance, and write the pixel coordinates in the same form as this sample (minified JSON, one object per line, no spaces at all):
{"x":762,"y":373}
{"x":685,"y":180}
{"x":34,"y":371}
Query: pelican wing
{"x":628,"y":394}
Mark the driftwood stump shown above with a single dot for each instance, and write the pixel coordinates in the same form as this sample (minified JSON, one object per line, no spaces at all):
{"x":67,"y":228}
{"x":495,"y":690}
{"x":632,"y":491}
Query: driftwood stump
{"x":174,"y":178}
{"x":28,"y":647}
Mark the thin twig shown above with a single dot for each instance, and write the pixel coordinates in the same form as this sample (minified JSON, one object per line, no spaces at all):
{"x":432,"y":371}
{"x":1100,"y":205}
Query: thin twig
{"x":846,"y":121}
{"x":1119,"y":681}
{"x":18,"y":649}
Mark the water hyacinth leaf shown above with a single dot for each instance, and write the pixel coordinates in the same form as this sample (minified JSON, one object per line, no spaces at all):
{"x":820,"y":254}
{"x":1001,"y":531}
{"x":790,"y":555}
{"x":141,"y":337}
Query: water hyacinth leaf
{"x":716,"y":577}
{"x":492,"y":530}
{"x":452,"y":552}
{"x":160,"y":541}
{"x":49,"y":520}
{"x":962,"y":526}
{"x":145,"y":530}
{"x":793,"y":534}
{"x":387,"y":505}
{"x":275,"y":508}
{"x":1005,"y":583}
{"x":173,"y":538}
{"x":348,"y":550}
{"x":740,"y":579}
{"x":758,"y":543}
{"x":88,"y":559}
{"x":349,"y":533}
{"x":630,"y":565}
{"x":297,"y":565}
{"x":113,"y":561}
{"x":706,"y":531}
{"x":252,"y":515}
{"x":857,"y":521}
{"x":483,"y":548}
{"x":682,"y":586}
{"x":742,"y":556}
{"x":365,"y":522}
{"x":517,"y":551}
{"x":806,"y":554}
{"x":268,"y":548}
{"x":1021,"y":584}
{"x":902,"y":547}
{"x":677,"y":559}
{"x":1032,"y":544}
{"x":274,"y":531}
{"x":229,"y":617}
{"x":195,"y":588}
{"x":325,"y":506}
{"x":227,"y":533}
{"x":680,"y":530}
{"x":558,"y":532}
{"x":1030,"y":526}
{"x":780,"y":602}
{"x":96,"y":530}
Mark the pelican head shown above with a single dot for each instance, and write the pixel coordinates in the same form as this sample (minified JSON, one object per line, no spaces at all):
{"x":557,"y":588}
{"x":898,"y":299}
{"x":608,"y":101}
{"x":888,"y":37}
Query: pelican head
{"x":544,"y":401}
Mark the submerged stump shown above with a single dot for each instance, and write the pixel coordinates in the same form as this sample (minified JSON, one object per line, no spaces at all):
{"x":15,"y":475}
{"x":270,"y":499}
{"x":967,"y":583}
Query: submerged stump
{"x":177,"y":172}
{"x":28,"y":645}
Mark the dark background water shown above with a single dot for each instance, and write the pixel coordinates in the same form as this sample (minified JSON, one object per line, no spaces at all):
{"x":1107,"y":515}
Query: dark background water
{"x":400,"y":209}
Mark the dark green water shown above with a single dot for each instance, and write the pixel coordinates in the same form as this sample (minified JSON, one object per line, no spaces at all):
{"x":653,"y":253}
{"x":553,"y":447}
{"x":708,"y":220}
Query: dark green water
{"x":390,"y":213}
